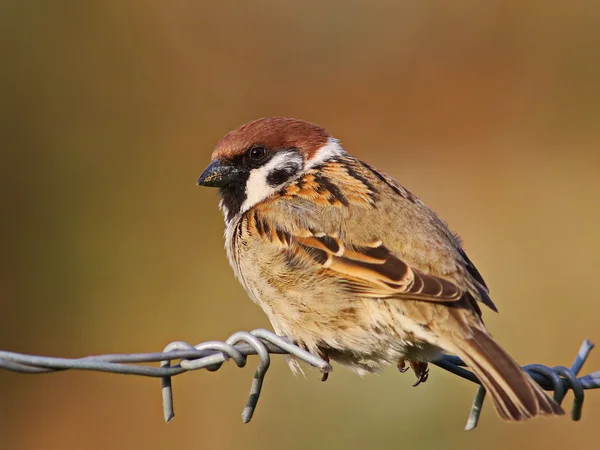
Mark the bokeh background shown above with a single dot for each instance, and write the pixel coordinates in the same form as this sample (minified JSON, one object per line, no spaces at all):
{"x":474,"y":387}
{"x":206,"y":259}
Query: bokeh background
{"x":109,"y":111}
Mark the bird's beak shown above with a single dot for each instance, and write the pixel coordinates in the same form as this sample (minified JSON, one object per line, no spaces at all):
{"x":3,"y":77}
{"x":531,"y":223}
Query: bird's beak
{"x":218,"y":174}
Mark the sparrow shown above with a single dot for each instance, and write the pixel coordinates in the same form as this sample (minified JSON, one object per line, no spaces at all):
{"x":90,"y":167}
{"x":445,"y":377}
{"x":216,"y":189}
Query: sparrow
{"x":350,"y":265}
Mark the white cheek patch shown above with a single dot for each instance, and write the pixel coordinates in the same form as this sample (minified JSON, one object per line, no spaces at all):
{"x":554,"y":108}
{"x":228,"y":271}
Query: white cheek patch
{"x":257,"y":189}
{"x":329,"y":151}
{"x":257,"y":186}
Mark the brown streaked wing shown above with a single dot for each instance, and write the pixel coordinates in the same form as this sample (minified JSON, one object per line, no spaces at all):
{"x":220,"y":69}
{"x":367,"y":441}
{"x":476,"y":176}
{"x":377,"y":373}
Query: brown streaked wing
{"x":371,"y":270}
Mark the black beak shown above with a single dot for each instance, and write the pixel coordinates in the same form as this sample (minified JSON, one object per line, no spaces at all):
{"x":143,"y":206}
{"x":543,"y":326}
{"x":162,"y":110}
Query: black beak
{"x":218,"y":174}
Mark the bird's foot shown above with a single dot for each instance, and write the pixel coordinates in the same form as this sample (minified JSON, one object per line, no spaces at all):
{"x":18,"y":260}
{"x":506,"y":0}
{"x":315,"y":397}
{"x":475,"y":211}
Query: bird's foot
{"x":402,"y":366}
{"x":421,"y":371}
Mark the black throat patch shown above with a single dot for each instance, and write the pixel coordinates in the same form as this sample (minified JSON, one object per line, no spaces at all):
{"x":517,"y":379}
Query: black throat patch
{"x":234,"y":196}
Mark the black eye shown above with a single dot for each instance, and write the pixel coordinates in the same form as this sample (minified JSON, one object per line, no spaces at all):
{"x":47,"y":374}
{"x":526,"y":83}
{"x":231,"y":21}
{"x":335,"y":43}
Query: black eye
{"x":257,"y":153}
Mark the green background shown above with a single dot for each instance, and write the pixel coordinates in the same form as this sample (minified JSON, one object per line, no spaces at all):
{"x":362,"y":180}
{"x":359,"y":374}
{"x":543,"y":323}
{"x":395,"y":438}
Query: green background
{"x":109,"y":111}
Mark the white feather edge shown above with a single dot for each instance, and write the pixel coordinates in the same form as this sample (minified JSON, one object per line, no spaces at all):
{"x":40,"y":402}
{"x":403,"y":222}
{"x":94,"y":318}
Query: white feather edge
{"x":329,"y":151}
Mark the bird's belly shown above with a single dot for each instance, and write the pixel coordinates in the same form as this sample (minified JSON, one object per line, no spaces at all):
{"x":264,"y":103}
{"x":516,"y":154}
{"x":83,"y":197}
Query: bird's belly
{"x":319,"y":314}
{"x":363,"y":334}
{"x":376,"y":336}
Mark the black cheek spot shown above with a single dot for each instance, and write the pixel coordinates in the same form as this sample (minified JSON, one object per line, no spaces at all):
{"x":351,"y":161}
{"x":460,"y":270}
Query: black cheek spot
{"x":280,"y":176}
{"x":277,"y":177}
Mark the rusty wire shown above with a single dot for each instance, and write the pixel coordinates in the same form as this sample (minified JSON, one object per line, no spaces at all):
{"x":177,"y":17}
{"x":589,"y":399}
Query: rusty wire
{"x":212,"y":354}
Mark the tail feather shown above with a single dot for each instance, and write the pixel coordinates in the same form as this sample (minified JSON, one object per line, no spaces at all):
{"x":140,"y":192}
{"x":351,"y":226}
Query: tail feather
{"x":514,"y":393}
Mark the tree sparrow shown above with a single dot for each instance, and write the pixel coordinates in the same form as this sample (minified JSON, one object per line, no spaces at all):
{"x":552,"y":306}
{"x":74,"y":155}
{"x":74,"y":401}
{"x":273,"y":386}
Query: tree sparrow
{"x":349,"y":264}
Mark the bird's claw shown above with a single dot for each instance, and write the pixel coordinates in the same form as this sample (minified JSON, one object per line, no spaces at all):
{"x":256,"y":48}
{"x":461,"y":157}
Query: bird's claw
{"x":421,"y":371}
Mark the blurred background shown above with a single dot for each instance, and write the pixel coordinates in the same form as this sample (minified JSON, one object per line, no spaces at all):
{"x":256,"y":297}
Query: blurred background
{"x":109,"y":112}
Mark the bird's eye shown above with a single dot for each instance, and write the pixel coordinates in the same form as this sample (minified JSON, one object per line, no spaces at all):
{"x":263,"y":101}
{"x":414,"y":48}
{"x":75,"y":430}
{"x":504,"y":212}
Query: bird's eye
{"x":257,"y":153}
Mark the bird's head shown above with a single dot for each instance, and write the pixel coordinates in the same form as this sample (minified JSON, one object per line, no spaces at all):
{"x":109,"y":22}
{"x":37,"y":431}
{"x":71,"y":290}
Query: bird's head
{"x":261,"y":157}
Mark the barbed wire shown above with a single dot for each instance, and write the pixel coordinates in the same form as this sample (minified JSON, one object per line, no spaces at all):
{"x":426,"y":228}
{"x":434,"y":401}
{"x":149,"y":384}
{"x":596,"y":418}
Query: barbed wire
{"x":212,"y":354}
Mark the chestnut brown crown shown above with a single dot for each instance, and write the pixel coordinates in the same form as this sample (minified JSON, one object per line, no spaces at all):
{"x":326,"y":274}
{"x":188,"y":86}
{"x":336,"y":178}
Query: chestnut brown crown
{"x":272,"y":133}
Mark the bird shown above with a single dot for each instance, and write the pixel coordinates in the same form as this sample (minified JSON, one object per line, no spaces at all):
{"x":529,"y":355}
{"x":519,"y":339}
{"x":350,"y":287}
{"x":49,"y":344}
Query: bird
{"x":350,"y":265}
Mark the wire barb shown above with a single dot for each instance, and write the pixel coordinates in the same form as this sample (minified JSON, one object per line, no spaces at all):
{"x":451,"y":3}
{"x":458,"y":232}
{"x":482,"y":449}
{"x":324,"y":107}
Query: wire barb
{"x":212,"y":354}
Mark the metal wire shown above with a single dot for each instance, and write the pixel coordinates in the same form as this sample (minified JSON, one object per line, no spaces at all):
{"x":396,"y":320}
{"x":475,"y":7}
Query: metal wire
{"x":212,"y":354}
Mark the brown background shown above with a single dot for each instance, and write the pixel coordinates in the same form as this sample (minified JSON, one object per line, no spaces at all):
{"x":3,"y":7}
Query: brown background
{"x":109,"y":112}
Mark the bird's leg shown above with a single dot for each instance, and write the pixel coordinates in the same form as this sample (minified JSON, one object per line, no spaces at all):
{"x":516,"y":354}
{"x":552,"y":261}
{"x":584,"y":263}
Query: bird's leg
{"x":421,"y":371}
{"x":402,"y":366}
{"x":325,"y":357}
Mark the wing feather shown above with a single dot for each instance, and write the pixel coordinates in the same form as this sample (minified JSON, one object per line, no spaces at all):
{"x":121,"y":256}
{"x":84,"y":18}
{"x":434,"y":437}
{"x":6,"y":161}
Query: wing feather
{"x":333,"y":200}
{"x":370,"y":270}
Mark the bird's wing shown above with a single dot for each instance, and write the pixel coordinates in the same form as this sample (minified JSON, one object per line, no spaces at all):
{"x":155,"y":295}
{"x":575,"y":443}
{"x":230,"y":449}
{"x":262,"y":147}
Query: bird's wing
{"x":376,"y":237}
{"x":367,"y":269}
{"x":371,"y":270}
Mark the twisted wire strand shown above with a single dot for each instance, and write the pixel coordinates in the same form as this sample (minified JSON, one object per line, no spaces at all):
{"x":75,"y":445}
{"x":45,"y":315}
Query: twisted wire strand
{"x":211,"y":355}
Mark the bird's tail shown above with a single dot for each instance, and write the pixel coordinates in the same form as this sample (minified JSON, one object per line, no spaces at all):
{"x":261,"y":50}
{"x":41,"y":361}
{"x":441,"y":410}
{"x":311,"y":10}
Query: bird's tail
{"x":516,"y":396}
